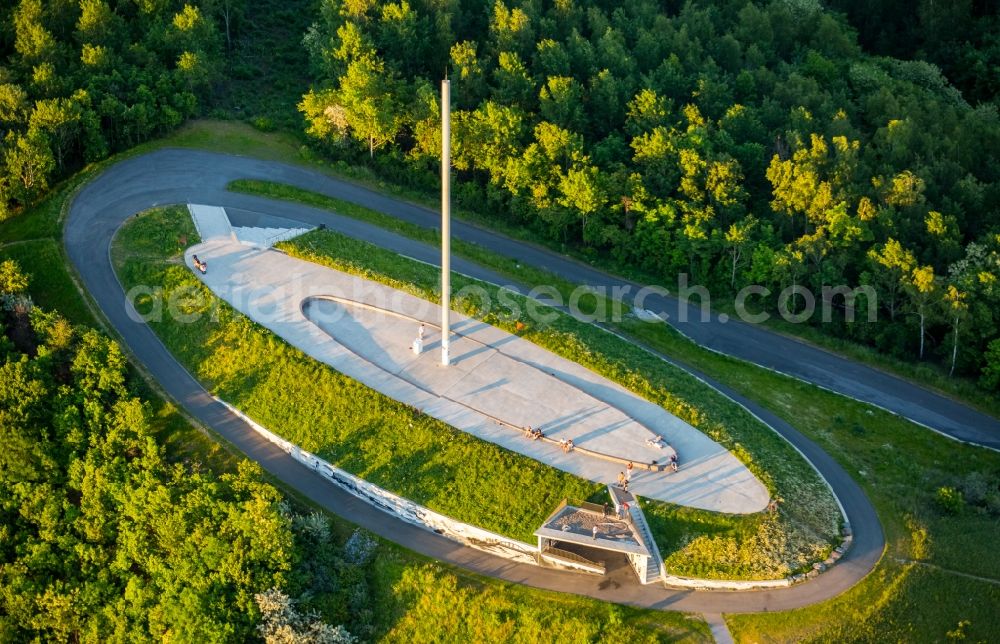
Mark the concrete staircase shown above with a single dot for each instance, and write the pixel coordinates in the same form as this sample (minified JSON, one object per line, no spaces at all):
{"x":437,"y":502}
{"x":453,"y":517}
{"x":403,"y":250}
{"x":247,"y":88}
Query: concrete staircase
{"x":654,"y":566}
{"x":266,"y":237}
{"x":211,"y":222}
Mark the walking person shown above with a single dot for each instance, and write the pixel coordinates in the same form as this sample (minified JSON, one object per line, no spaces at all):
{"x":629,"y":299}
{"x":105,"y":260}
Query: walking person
{"x":621,"y":479}
{"x":595,"y":532}
{"x":628,"y":471}
{"x":606,"y":508}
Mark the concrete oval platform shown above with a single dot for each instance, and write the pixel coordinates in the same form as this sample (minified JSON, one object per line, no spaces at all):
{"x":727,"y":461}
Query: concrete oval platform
{"x":494,"y":375}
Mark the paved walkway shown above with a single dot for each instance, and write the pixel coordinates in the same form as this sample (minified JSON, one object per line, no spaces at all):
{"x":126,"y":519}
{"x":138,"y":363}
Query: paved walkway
{"x":183,"y":176}
{"x":366,"y":332}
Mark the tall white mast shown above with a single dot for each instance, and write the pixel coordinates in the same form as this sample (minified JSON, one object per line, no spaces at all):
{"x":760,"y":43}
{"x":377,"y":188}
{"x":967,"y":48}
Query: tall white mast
{"x":445,"y":219}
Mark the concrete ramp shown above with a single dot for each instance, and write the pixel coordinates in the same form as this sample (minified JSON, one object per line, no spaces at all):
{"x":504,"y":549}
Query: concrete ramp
{"x":211,"y":222}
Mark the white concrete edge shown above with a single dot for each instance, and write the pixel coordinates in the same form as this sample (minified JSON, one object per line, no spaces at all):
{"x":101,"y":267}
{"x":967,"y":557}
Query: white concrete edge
{"x":194,"y":220}
{"x":725,"y":584}
{"x":402,"y":508}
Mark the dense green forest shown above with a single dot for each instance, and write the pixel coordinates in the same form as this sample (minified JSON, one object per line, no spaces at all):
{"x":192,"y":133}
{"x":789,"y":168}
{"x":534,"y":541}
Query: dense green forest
{"x":739,"y":142}
{"x":102,"y":536}
{"x":79,"y":80}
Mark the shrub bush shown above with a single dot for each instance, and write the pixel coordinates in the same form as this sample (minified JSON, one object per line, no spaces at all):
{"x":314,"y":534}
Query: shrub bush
{"x":949,"y":500}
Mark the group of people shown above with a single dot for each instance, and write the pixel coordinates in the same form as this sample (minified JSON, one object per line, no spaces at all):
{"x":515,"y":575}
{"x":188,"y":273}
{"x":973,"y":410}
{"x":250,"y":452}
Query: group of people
{"x":200,"y":265}
{"x":658,"y":443}
{"x":624,"y":478}
{"x":532,"y":433}
{"x":621,"y":512}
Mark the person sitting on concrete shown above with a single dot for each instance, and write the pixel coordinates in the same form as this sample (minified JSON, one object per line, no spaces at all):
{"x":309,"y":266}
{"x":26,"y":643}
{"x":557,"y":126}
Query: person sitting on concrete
{"x":200,"y":265}
{"x":656,"y":441}
{"x":536,"y":433}
{"x":673,"y":462}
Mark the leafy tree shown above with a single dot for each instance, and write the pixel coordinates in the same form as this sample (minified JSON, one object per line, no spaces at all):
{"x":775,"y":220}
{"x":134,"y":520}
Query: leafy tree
{"x":990,"y":378}
{"x":13,"y":104}
{"x":282,"y":623}
{"x":955,"y":310}
{"x":370,"y":98}
{"x":561,"y":102}
{"x":469,"y":74}
{"x":511,"y":29}
{"x":12,"y":280}
{"x":893,"y":262}
{"x":29,"y":164}
{"x":513,"y":84}
{"x":738,"y":239}
{"x":921,"y":285}
{"x":32,"y":40}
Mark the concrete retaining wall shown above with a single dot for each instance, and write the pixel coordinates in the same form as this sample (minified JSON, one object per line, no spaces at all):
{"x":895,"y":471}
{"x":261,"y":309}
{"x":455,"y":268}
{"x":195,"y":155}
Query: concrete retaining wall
{"x":398,"y":506}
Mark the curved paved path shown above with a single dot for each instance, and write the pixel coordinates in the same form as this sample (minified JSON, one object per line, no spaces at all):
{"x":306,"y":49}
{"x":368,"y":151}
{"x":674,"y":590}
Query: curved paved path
{"x":184,"y":176}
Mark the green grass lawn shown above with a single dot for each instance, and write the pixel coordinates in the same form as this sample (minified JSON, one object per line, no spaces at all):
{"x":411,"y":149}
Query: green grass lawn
{"x":431,"y":604}
{"x":52,"y":288}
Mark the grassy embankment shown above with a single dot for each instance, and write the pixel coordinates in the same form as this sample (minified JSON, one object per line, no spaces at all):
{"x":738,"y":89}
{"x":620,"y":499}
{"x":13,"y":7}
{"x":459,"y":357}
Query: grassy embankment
{"x":405,"y":596}
{"x":932,"y":550}
{"x":459,"y":475}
